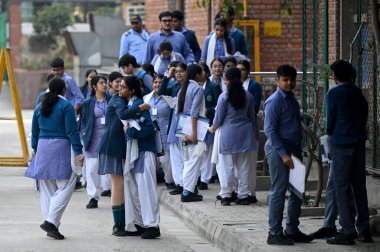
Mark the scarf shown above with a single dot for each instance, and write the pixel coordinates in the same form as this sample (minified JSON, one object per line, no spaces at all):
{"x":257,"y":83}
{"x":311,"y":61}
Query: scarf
{"x":158,"y":62}
{"x":211,"y":49}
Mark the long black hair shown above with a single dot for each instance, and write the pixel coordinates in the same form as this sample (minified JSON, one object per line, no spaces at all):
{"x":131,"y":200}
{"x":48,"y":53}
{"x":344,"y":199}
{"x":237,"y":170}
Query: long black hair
{"x":56,"y":87}
{"x":226,"y":35}
{"x":235,"y":90}
{"x":88,"y":72}
{"x":182,"y":93}
{"x":134,"y":84}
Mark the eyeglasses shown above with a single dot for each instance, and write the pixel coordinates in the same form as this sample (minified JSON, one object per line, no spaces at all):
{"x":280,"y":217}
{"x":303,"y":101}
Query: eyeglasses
{"x":217,"y":67}
{"x":166,"y":20}
{"x":134,"y":23}
{"x":102,"y":83}
{"x":122,"y":87}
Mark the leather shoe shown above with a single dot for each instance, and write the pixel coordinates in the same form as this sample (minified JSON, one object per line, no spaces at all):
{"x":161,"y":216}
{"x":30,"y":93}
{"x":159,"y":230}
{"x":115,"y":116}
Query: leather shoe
{"x":324,"y":232}
{"x":341,"y":239}
{"x":299,"y":237}
{"x":52,"y":230}
{"x":279,"y":240}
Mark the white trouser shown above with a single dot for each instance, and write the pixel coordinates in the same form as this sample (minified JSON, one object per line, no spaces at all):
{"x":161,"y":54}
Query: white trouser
{"x":141,"y":198}
{"x":225,"y":167}
{"x":252,"y":173}
{"x":176,"y":160}
{"x":166,"y":167}
{"x":206,"y":167}
{"x":54,"y":197}
{"x":93,"y":178}
{"x":191,"y":169}
{"x":105,"y":181}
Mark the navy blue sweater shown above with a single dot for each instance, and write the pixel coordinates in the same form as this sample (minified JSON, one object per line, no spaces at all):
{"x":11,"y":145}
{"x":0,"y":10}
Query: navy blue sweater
{"x":347,"y":113}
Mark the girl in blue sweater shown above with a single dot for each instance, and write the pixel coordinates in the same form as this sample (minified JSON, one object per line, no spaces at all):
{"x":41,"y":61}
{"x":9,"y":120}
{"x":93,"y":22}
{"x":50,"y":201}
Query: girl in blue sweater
{"x":142,"y":214}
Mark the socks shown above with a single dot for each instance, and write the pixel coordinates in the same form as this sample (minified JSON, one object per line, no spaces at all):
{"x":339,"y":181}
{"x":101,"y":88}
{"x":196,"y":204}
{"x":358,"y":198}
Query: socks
{"x":118,"y":212}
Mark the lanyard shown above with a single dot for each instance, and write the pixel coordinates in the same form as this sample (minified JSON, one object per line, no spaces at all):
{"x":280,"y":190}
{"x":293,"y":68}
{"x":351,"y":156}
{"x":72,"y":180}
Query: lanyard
{"x":103,"y":107}
{"x":156,"y":102}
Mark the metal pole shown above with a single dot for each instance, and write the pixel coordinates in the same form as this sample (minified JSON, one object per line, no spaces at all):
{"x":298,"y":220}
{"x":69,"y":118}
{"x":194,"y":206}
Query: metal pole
{"x":304,"y":57}
{"x":326,"y":48}
{"x":360,"y":58}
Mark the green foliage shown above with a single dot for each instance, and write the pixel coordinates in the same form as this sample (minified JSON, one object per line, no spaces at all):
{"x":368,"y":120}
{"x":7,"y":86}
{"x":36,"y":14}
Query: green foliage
{"x":286,"y":8}
{"x":105,"y":11}
{"x":49,"y":22}
{"x":238,"y":7}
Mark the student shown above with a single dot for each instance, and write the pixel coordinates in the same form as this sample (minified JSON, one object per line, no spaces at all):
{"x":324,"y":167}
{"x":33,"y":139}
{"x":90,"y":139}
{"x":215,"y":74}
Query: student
{"x":229,"y":62}
{"x":347,"y":114}
{"x":235,"y":109}
{"x":218,"y":44}
{"x":254,"y":88}
{"x":114,"y":80}
{"x":129,"y":65}
{"x":39,"y":97}
{"x":217,"y":66}
{"x":149,"y":69}
{"x":93,"y":122}
{"x":282,"y":126}
{"x":191,"y":103}
{"x":73,"y":93}
{"x":86,"y":87}
{"x":177,"y":39}
{"x":178,"y":25}
{"x":54,"y":132}
{"x":112,"y":151}
{"x":160,"y":112}
{"x":164,"y":56}
{"x":211,"y":95}
{"x":142,"y":212}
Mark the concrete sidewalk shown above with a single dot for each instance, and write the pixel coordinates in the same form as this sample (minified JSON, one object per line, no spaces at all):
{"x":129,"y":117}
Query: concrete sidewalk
{"x":245,"y":228}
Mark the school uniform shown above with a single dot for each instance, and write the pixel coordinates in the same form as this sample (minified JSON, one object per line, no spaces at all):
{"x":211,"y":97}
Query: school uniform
{"x":52,"y":139}
{"x":235,"y":147}
{"x":218,"y":82}
{"x":191,"y":168}
{"x":175,"y":148}
{"x":161,"y":64}
{"x":211,"y":95}
{"x":111,"y":147}
{"x":160,"y":112}
{"x":93,"y":124}
{"x":214,"y":48}
{"x":140,"y":183}
{"x":255,"y":89}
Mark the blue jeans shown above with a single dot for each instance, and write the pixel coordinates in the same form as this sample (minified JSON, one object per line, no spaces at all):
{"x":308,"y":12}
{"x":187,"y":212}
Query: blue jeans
{"x":279,"y":176}
{"x":350,"y":186}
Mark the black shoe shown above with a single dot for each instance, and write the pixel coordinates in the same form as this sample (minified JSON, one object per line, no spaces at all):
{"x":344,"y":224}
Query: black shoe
{"x":213,"y":179}
{"x":106,"y":193}
{"x":341,"y":239}
{"x":177,"y":190}
{"x":279,"y":240}
{"x":218,"y":197}
{"x":252,"y":199}
{"x":119,"y":230}
{"x":234,"y":196}
{"x":324,"y":232}
{"x":140,"y":230}
{"x":244,"y":201}
{"x":170,"y":186}
{"x":300,"y":237}
{"x":151,"y":233}
{"x":78,"y":185}
{"x":203,"y":186}
{"x":92,"y":204}
{"x":365,"y":236}
{"x":51,"y":230}
{"x":225,"y":201}
{"x":191,"y":197}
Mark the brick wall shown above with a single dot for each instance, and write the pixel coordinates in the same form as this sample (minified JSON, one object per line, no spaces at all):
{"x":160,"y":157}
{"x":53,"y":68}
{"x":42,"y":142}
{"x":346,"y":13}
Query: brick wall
{"x":274,"y":51}
{"x":15,"y":30}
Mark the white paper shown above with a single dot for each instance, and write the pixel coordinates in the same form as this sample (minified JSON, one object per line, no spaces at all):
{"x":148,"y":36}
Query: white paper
{"x":184,"y":127}
{"x":132,"y":123}
{"x":297,"y":177}
{"x":326,"y":146}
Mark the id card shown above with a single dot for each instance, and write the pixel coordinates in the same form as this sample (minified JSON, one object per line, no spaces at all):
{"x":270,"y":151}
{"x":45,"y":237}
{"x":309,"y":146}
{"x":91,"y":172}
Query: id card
{"x":103,"y":120}
{"x":154,"y":111}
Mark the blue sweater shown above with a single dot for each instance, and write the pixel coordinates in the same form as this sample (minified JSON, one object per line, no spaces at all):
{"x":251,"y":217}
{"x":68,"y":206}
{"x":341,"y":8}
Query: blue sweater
{"x":145,"y":136}
{"x":61,"y":123}
{"x":347,"y":112}
{"x":255,"y":89}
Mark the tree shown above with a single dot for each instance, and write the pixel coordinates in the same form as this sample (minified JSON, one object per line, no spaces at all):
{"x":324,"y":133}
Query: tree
{"x":376,"y":27}
{"x":49,"y":23}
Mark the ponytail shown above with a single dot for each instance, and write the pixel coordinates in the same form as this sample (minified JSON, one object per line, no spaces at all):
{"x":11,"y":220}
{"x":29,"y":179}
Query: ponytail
{"x":56,"y":87}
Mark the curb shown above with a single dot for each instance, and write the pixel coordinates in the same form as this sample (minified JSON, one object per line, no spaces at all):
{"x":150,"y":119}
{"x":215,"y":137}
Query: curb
{"x":215,"y":232}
